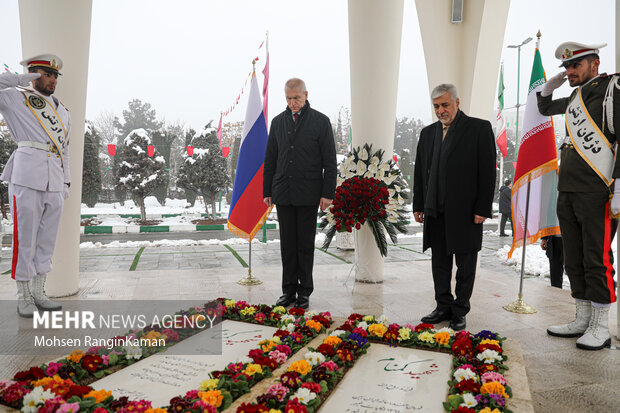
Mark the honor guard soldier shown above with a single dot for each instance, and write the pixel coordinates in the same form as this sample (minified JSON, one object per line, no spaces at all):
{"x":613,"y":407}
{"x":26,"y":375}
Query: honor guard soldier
{"x":37,"y":173}
{"x":586,"y":182}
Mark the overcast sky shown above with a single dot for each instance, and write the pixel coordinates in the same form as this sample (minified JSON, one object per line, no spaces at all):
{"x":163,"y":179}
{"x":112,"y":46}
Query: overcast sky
{"x":190,"y":58}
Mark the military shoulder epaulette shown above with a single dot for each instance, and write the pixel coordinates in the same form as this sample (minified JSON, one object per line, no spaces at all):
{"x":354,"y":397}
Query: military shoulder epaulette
{"x":604,"y":75}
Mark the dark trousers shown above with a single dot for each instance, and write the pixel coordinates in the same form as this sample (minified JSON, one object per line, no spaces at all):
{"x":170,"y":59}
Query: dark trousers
{"x":297,"y":233}
{"x":442,"y":271}
{"x":556,"y":261}
{"x":587,"y":232}
{"x":502,"y":224}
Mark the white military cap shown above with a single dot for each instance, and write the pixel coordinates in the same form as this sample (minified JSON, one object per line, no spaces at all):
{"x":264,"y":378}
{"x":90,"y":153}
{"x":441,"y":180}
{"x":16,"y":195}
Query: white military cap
{"x":568,"y":51}
{"x":45,"y":61}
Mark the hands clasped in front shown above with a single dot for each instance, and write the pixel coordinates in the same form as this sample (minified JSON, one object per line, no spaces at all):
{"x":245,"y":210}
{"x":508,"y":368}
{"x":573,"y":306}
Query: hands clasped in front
{"x":419,"y":217}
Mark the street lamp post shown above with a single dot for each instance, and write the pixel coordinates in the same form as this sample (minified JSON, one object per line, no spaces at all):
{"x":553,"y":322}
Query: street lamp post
{"x":518,"y":47}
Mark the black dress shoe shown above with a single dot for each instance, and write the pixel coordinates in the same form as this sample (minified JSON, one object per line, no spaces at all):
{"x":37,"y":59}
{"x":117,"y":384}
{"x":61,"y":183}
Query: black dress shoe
{"x":458,"y":323}
{"x":285,"y":300}
{"x":302,"y":302}
{"x":437,"y":316}
{"x":503,"y":235}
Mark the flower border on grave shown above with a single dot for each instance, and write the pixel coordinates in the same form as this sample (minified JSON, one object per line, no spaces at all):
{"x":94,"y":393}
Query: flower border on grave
{"x":55,"y":387}
{"x":369,"y":190}
{"x":476,"y":385}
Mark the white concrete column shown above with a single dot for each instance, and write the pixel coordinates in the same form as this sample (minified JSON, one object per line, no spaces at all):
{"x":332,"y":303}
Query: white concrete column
{"x":62,"y":27}
{"x":375,"y":31}
{"x":466,"y":54}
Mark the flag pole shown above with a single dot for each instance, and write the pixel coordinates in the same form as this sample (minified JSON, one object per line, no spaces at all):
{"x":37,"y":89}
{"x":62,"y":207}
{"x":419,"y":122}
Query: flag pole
{"x":249,"y":280}
{"x":520,"y":306}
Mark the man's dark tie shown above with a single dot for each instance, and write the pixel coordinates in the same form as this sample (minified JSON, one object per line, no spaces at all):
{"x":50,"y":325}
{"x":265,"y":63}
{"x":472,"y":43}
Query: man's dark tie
{"x":296,"y":117}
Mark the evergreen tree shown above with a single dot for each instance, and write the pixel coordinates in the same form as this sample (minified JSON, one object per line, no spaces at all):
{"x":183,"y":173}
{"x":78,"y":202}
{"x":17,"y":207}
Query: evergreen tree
{"x":140,"y":115}
{"x":405,"y":163}
{"x":163,"y":139}
{"x":138,"y":173}
{"x":205,"y":171}
{"x":91,"y":174}
{"x":7,"y":147}
{"x":190,"y":194}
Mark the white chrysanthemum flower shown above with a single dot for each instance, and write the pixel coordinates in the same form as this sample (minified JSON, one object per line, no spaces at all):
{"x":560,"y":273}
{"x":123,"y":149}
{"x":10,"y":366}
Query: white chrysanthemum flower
{"x":382,"y":319}
{"x":489,"y":356}
{"x":338,"y":333}
{"x":364,"y":154}
{"x":469,"y":400}
{"x":314,"y":358}
{"x":287,"y":317}
{"x":245,"y":359}
{"x":304,"y":395}
{"x":133,"y":352}
{"x":290,"y":327}
{"x":363,"y":324}
{"x":36,"y":398}
{"x":464,"y":374}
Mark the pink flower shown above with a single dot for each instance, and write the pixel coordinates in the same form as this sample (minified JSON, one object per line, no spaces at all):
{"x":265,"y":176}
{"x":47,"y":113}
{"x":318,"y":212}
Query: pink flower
{"x":170,"y":334}
{"x":493,"y":376}
{"x":330,"y":365}
{"x":68,"y":408}
{"x":106,"y":359}
{"x":278,"y":356}
{"x":278,"y":390}
{"x":204,"y":407}
{"x":100,"y":410}
{"x":284,"y":348}
{"x":51,"y":405}
{"x":52,"y":369}
{"x":192,"y":394}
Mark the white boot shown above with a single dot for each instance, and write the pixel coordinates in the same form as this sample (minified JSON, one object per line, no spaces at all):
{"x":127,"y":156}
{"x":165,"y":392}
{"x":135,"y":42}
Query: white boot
{"x":597,"y":335}
{"x":25,"y":301}
{"x":576,"y":327}
{"x":41,"y":300}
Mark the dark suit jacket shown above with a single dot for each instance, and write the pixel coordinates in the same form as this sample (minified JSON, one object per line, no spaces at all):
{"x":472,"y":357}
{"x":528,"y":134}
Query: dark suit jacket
{"x":300,"y":163}
{"x":469,"y":168}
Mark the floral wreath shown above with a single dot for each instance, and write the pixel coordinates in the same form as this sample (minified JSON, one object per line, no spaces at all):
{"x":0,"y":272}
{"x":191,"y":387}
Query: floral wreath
{"x":371,"y":191}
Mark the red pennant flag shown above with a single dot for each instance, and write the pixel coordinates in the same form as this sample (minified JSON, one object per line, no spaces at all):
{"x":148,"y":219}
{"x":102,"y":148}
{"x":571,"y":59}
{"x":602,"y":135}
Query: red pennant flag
{"x":112,"y":149}
{"x":190,"y":150}
{"x":150,"y":150}
{"x":225,"y":151}
{"x":395,"y":157}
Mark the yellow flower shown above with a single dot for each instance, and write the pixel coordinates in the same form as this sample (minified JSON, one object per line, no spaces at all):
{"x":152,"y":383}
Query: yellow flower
{"x":314,"y":324}
{"x":489,"y":341}
{"x":43,"y":382}
{"x":276,"y":340}
{"x":404,"y":333}
{"x":275,"y":411}
{"x":332,"y":341}
{"x":488,"y":410}
{"x":301,"y":366}
{"x":443,"y":338}
{"x":230,"y":303}
{"x":369,"y":318}
{"x":248,"y":311}
{"x":279,"y":310}
{"x":209,"y":384}
{"x":99,"y":395}
{"x":267,"y":345}
{"x":152,"y":338}
{"x":212,"y":397}
{"x":426,"y":336}
{"x":251,"y":369}
{"x":76,"y":356}
{"x":493,"y":387}
{"x":377,"y":329}
{"x":156,"y":410}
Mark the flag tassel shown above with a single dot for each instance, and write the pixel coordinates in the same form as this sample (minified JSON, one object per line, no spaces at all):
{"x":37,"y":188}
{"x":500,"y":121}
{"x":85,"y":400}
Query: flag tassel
{"x":520,"y":306}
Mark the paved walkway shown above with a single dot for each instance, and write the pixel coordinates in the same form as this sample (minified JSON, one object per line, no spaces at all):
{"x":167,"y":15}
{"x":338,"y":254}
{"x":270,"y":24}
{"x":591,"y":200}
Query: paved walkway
{"x":560,"y":377}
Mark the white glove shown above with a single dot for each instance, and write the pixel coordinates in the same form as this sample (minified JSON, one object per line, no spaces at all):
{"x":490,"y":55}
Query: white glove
{"x":553,"y":83}
{"x":615,"y":201}
{"x":24,"y":79}
{"x":65,"y":193}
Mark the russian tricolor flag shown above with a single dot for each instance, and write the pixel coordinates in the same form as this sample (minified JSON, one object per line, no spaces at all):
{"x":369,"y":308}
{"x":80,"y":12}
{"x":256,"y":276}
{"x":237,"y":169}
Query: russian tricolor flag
{"x":248,"y":212}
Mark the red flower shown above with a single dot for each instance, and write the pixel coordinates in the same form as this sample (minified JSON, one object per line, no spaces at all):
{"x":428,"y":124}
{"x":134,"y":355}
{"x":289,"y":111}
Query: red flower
{"x":91,"y":363}
{"x":297,"y":311}
{"x":76,"y":390}
{"x":467,"y":386}
{"x":345,"y":355}
{"x":252,"y":408}
{"x":281,"y":333}
{"x":313,"y":387}
{"x":326,"y":350}
{"x":463,"y":409}
{"x":421,"y":327}
{"x":291,"y":379}
{"x":34,"y":373}
{"x":293,"y":406}
{"x":487,"y":346}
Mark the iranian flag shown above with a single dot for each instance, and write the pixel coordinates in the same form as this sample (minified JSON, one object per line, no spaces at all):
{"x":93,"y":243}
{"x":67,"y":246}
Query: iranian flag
{"x":502,"y":141}
{"x":536,"y":175}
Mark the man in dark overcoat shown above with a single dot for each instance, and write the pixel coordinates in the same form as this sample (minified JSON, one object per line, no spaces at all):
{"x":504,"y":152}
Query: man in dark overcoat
{"x":505,"y":208}
{"x":454,"y":184}
{"x":299,"y":177}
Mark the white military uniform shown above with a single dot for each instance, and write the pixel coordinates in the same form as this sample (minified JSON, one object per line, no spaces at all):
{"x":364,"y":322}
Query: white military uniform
{"x":37,"y":178}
